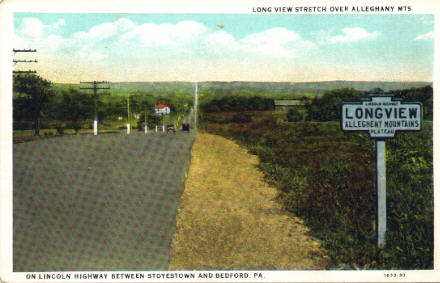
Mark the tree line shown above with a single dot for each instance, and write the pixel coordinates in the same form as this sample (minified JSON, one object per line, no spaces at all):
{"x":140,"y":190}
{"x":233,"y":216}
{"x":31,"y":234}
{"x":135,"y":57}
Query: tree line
{"x":323,"y":107}
{"x":237,"y":103}
{"x":326,"y":107}
{"x":38,"y":103}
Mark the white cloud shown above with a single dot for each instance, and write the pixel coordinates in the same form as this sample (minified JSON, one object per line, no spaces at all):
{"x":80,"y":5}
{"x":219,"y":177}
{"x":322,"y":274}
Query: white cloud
{"x":349,"y":35}
{"x":106,"y":30}
{"x":189,"y":29}
{"x":57,"y":25}
{"x":102,"y":31}
{"x":276,"y":43}
{"x":31,"y":28}
{"x":272,"y":43}
{"x":165,"y":34}
{"x":221,"y":41}
{"x":34,"y":29}
{"x":111,"y":45}
{"x":53,"y":42}
{"x":125,"y":38}
{"x":426,"y":36}
{"x":277,"y":35}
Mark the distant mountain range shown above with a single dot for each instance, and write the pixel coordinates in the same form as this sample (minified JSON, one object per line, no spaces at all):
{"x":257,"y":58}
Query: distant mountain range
{"x":318,"y":87}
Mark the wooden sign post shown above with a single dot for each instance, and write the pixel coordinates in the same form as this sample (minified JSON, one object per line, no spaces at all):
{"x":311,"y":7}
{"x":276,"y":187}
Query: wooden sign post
{"x":381,"y":116}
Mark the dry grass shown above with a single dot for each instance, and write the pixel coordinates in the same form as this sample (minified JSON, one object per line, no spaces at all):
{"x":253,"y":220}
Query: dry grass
{"x":229,"y":220}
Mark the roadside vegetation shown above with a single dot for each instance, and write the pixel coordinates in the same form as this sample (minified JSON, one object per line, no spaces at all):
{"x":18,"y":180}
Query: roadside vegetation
{"x":326,"y":177}
{"x":229,"y":218}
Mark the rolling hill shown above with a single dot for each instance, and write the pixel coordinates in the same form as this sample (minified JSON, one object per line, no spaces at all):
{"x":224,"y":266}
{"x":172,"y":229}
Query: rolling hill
{"x":176,"y":87}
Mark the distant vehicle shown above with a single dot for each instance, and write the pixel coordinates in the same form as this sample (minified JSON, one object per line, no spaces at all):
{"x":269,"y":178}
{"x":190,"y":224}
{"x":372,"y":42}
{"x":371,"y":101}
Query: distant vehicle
{"x":185,"y":127}
{"x":171,"y":128}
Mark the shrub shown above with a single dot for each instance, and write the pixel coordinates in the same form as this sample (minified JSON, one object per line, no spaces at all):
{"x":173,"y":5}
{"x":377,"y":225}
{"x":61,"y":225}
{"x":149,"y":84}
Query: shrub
{"x":293,"y":115}
{"x":242,"y":118}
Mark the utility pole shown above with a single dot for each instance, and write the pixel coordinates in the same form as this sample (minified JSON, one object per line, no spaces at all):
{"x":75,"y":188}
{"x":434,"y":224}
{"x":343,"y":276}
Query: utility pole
{"x":128,"y":115}
{"x":195,"y":105}
{"x":15,"y":61}
{"x":145,"y":120}
{"x":95,"y":99}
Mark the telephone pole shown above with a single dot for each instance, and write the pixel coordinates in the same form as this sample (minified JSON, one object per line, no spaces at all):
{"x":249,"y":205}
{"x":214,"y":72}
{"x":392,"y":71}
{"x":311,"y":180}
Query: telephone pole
{"x":128,"y":115}
{"x":15,"y":61}
{"x":95,"y":89}
{"x":195,"y":105}
{"x":145,"y":119}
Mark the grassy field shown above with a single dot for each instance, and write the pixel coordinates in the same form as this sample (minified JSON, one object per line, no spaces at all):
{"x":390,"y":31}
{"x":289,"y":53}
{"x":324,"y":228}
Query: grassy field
{"x":228,"y":218}
{"x":105,"y":202}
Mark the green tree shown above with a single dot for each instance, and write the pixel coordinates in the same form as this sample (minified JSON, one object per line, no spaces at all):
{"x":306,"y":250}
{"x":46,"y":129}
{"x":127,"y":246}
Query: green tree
{"x":34,"y":92}
{"x":151,"y":120}
{"x":326,"y":107}
{"x":75,"y":107}
{"x":421,"y":94}
{"x":146,"y":108}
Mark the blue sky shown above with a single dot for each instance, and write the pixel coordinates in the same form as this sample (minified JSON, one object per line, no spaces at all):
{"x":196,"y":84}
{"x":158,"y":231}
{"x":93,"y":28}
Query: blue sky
{"x":226,"y":47}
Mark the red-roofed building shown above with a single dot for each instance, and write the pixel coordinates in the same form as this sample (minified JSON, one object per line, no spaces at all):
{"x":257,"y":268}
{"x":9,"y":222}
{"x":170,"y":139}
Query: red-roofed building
{"x":161,"y":109}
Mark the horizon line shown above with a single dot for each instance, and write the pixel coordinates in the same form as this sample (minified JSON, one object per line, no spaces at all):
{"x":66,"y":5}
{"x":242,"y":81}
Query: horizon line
{"x":246,"y":81}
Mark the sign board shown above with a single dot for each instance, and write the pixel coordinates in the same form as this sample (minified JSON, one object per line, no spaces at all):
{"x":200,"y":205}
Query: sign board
{"x":381,"y":116}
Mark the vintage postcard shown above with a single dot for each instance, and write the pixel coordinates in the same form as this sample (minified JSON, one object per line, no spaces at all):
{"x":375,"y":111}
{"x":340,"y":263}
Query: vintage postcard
{"x":219,"y":141}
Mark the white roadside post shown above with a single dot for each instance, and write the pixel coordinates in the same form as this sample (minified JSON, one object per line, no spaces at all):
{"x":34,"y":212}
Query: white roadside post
{"x":95,"y":127}
{"x":163,"y":123}
{"x":128,"y":128}
{"x":145,"y":120}
{"x":381,"y":116}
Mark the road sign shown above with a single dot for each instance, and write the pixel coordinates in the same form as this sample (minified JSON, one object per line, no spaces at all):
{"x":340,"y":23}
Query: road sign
{"x":381,"y":116}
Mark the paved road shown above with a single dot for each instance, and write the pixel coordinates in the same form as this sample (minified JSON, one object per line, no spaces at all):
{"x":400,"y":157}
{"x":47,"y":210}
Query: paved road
{"x":104,"y":202}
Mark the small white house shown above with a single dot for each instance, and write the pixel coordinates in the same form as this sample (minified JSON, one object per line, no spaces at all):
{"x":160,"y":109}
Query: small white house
{"x":161,"y":109}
